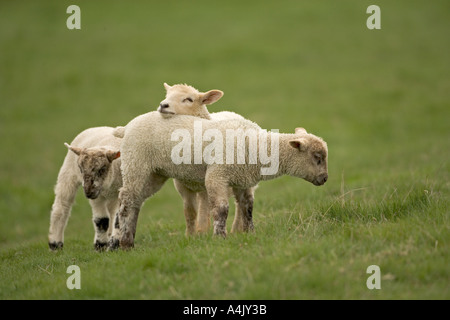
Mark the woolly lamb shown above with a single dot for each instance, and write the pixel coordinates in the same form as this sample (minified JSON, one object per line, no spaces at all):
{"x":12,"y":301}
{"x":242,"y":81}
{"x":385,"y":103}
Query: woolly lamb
{"x":90,"y":162}
{"x":147,"y":137}
{"x":182,"y":99}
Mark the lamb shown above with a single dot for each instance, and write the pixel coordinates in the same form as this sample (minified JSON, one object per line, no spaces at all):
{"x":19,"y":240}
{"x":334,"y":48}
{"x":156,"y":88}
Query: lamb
{"x":91,"y":162}
{"x":301,"y":155}
{"x":182,"y":99}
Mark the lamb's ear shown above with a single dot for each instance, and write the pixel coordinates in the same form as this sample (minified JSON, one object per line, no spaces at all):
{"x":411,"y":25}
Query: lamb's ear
{"x":75,"y":150}
{"x":299,"y":144}
{"x":300,"y":131}
{"x":167,"y":86}
{"x":112,"y":155}
{"x":211,"y":96}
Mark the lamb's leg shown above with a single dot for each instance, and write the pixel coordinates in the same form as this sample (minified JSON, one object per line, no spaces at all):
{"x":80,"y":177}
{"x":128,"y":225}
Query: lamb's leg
{"x":132,"y":196}
{"x":113,"y":206}
{"x":190,"y":206}
{"x":203,"y":215}
{"x":101,"y":220}
{"x":218,"y":204}
{"x":238,"y":222}
{"x":243,"y":221}
{"x":65,"y":192}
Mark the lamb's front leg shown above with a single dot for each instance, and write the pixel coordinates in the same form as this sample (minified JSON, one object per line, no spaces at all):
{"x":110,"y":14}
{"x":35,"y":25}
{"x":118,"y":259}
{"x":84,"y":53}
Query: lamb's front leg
{"x":113,"y":207}
{"x":101,"y":220}
{"x":132,"y":196}
{"x":125,"y":220}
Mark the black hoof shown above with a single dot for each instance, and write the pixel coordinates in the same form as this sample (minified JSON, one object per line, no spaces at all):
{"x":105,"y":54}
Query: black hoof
{"x":220,"y":234}
{"x":55,"y":245}
{"x":100,"y":246}
{"x":113,"y":244}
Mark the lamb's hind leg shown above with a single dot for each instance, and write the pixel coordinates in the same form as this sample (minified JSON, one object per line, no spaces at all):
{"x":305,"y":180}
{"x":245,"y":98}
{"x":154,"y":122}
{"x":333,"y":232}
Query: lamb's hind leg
{"x":65,"y":192}
{"x":243,"y":221}
{"x":132,"y":196}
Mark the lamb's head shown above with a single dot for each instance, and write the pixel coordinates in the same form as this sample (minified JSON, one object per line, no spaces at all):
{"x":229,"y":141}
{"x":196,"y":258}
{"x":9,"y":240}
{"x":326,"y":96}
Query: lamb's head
{"x":94,"y":164}
{"x":310,"y":157}
{"x":184,"y":99}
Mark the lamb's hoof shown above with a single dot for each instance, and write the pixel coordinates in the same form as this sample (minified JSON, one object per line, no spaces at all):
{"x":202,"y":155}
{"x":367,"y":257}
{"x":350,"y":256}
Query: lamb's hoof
{"x":100,"y":246}
{"x":113,"y":244}
{"x":201,"y":231}
{"x":250,"y":228}
{"x":220,"y":233}
{"x":127,"y":242}
{"x":126,"y":246}
{"x":55,"y":245}
{"x":235,"y":230}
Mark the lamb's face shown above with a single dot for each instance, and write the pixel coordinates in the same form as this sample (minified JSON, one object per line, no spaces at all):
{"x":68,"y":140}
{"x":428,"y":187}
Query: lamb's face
{"x":184,"y":99}
{"x":312,"y":155}
{"x":94,"y":165}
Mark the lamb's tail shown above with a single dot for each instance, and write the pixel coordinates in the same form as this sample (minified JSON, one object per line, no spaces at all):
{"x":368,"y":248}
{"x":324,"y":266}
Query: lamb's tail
{"x":119,"y":132}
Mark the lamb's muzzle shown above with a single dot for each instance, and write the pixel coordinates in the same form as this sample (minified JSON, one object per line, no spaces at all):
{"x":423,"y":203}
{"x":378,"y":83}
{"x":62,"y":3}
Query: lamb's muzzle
{"x":163,"y":108}
{"x":320,"y":180}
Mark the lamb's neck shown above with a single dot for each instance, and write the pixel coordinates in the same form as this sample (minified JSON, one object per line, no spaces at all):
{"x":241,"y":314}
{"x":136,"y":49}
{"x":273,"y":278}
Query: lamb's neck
{"x":286,"y":153}
{"x":282,"y":151}
{"x":203,"y":114}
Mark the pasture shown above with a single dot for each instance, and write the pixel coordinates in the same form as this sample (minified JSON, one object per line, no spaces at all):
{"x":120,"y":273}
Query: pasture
{"x":379,"y":98}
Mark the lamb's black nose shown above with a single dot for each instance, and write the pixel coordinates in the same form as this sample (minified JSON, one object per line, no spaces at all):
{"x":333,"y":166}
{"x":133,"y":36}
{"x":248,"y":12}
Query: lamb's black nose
{"x":164,"y":105}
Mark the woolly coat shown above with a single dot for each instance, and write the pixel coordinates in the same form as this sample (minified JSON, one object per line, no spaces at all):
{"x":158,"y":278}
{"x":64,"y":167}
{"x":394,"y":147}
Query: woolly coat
{"x":147,"y":147}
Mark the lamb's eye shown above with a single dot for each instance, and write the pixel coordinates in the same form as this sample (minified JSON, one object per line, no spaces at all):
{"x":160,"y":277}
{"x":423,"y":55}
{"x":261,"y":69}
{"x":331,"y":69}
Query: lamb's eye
{"x":188,"y":99}
{"x":102,"y":171}
{"x":318,"y":159}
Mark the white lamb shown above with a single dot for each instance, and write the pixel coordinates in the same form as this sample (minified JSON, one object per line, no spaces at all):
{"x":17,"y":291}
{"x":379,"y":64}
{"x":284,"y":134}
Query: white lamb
{"x":90,"y":162}
{"x":148,"y":161}
{"x":182,"y":99}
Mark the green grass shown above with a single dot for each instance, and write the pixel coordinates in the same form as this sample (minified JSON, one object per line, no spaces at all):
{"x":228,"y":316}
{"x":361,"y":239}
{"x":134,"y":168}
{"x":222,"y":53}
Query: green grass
{"x":379,"y":98}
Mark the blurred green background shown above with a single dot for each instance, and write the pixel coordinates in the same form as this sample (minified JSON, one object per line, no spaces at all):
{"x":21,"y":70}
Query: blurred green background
{"x":380,"y":98}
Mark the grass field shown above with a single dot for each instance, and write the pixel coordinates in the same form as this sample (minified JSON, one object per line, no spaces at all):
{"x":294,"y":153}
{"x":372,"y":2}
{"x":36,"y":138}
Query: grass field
{"x":380,"y":98}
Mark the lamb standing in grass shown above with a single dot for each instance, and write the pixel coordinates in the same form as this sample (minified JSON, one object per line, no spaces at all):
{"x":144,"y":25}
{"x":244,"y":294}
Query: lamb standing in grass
{"x":91,"y":162}
{"x":182,"y":99}
{"x":147,"y":137}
